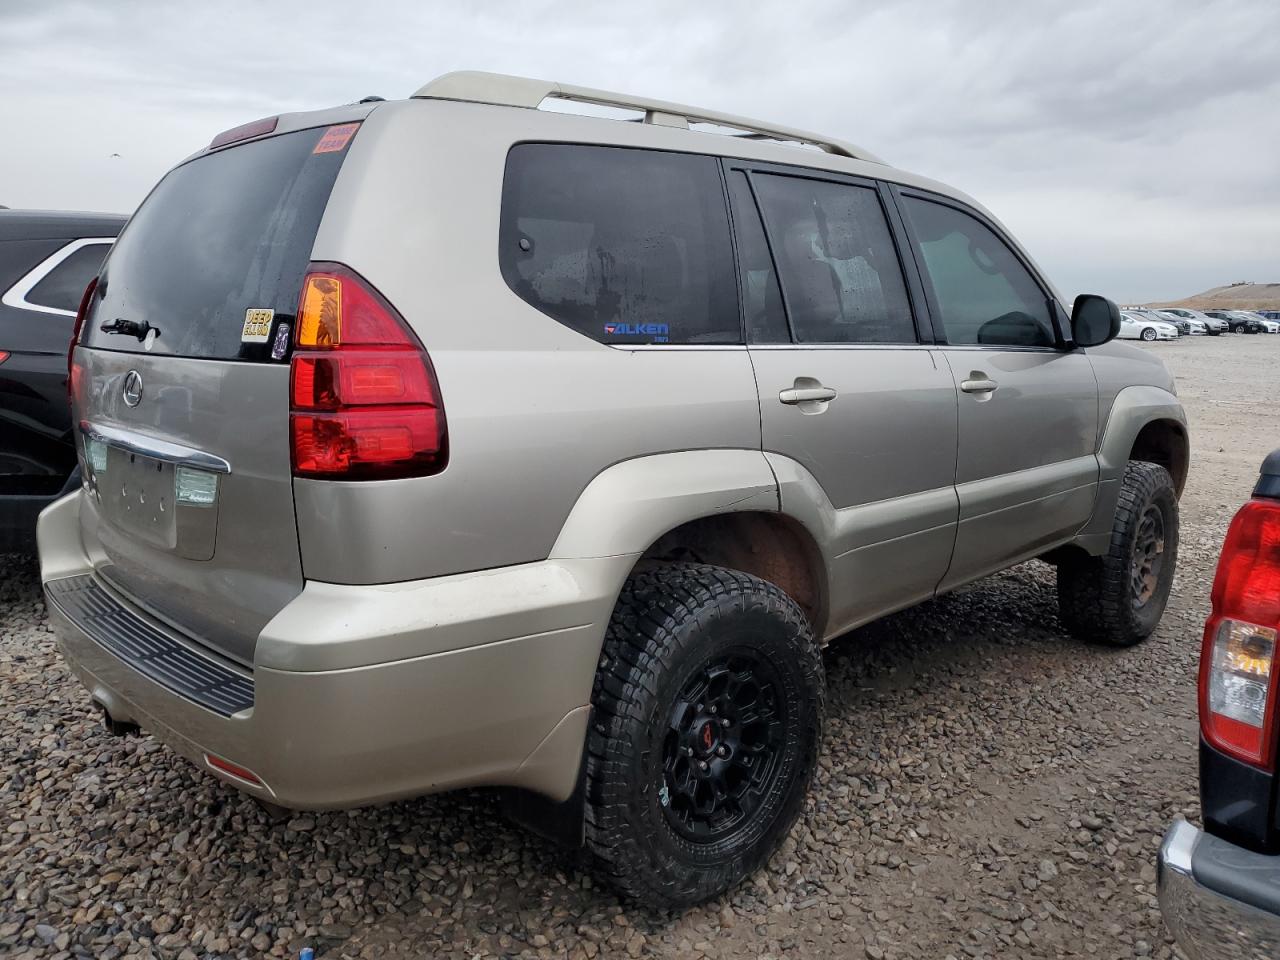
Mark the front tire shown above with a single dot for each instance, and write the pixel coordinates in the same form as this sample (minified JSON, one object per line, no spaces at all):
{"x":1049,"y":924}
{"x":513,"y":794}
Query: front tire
{"x":1119,"y":597}
{"x":1148,"y":334}
{"x":708,"y":709}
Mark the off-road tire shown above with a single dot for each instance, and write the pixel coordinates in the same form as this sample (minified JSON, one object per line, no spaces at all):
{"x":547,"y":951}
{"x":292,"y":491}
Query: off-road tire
{"x":1096,"y":596}
{"x":670,"y":623}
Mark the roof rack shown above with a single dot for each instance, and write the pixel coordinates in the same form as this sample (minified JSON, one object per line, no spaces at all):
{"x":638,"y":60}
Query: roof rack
{"x":473,"y":86}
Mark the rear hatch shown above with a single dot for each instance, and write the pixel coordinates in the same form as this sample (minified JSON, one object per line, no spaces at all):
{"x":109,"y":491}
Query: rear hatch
{"x":181,"y":387}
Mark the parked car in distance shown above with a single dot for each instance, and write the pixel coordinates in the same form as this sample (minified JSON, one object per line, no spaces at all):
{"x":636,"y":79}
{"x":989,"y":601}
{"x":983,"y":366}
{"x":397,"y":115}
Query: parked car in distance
{"x":1269,"y":314}
{"x":1137,"y":326}
{"x":1219,"y":888}
{"x":1180,"y":327}
{"x":1191,"y":326}
{"x":390,"y":508}
{"x":1239,"y":322}
{"x":1213,"y":325}
{"x":46,"y":260}
{"x":1271,"y":326}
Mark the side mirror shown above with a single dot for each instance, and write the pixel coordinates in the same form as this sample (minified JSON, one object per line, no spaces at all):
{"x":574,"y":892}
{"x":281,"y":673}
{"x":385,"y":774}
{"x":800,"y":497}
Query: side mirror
{"x":1094,"y":320}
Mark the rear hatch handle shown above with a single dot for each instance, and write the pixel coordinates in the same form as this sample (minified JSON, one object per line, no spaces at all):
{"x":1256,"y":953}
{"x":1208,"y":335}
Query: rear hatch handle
{"x":155,"y":448}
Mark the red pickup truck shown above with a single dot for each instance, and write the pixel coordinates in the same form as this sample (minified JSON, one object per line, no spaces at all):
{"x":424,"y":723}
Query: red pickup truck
{"x":1220,"y":886}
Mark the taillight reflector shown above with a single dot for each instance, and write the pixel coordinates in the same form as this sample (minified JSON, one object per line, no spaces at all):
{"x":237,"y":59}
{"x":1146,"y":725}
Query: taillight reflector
{"x":364,"y":399}
{"x":233,"y":769}
{"x":1238,"y":672}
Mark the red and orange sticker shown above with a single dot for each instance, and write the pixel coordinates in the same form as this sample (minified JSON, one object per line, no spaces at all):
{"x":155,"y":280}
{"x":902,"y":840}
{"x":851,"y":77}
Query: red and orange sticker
{"x":336,"y":138}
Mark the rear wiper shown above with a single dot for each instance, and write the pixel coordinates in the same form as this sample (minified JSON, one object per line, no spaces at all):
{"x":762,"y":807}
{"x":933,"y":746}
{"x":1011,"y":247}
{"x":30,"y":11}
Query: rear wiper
{"x":132,"y":328}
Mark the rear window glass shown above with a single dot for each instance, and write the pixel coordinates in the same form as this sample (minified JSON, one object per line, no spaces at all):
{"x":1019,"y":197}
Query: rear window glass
{"x":625,"y":246}
{"x":220,"y":236}
{"x":63,"y":286}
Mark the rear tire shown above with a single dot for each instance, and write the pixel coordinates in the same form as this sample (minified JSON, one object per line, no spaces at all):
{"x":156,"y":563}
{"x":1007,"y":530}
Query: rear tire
{"x":1119,"y":597}
{"x":708,"y":709}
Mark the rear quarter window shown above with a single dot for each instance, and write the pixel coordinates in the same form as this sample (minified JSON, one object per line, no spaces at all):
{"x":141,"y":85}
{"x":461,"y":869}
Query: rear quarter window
{"x":624,"y":246}
{"x":63,"y":287}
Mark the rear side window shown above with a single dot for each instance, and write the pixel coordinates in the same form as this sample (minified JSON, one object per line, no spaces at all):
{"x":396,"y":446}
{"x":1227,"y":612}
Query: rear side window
{"x":840,"y":271}
{"x":222,"y":235}
{"x":63,"y":286}
{"x":625,"y":246}
{"x":982,"y":291}
{"x":761,"y":295}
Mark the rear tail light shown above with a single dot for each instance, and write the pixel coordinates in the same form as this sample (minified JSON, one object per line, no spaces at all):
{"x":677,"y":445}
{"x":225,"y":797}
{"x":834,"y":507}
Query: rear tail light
{"x":4,"y":355}
{"x":364,"y":400}
{"x":74,"y":373}
{"x":1238,"y":670}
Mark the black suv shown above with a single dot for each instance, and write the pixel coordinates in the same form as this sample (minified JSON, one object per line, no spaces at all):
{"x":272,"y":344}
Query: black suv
{"x":46,"y":261}
{"x":1238,"y":324}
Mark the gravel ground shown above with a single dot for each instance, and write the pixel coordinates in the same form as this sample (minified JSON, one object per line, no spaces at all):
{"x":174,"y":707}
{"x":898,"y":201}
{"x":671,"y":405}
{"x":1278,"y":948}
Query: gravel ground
{"x":990,"y":788}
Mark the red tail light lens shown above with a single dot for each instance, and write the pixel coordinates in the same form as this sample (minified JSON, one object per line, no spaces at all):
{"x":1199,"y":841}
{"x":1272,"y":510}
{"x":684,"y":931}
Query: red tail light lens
{"x":85,"y":302}
{"x":365,"y":404}
{"x":1238,"y":670}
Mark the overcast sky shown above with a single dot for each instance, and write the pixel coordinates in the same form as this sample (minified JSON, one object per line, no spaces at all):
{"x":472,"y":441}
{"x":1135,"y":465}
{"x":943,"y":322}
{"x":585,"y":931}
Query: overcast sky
{"x":1132,"y":145}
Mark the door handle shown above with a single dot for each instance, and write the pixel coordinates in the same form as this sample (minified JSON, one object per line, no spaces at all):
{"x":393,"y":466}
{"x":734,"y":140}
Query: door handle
{"x":795,"y":395}
{"x":978,"y":382}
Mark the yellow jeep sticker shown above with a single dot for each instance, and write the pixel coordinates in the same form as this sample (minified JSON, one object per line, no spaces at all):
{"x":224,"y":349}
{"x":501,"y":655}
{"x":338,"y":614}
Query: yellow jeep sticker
{"x":257,"y":325}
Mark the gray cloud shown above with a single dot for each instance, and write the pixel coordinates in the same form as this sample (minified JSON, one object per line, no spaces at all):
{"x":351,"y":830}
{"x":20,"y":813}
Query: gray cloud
{"x":1131,"y":146}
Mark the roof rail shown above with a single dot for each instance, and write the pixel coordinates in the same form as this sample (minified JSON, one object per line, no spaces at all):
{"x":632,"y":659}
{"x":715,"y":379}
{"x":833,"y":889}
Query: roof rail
{"x":474,"y":86}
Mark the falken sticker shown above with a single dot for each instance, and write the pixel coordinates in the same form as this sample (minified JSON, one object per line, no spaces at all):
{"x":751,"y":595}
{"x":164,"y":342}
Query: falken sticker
{"x":659,"y":331}
{"x":257,"y":325}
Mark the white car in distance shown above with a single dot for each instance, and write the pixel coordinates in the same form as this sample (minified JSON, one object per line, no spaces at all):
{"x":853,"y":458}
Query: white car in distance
{"x":1135,"y":326}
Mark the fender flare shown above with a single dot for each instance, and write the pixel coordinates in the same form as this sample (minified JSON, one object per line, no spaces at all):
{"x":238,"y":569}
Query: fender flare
{"x":629,"y":505}
{"x":1133,"y":408}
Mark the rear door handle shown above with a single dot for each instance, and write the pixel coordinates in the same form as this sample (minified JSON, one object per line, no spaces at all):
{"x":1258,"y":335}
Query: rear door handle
{"x":978,"y":382}
{"x":795,"y":395}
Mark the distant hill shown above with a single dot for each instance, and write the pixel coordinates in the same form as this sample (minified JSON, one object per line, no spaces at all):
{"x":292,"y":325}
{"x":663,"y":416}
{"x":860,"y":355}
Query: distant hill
{"x":1234,"y":296}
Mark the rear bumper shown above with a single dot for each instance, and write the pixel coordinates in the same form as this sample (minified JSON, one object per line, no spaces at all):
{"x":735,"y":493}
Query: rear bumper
{"x":364,"y":694}
{"x":1219,"y":901}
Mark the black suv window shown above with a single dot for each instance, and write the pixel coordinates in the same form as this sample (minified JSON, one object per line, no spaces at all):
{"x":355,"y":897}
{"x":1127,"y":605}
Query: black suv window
{"x":839,"y":267}
{"x":981,"y":290}
{"x":625,"y":246}
{"x":63,"y":286}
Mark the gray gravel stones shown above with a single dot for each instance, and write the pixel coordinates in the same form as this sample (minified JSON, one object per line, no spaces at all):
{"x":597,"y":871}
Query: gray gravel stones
{"x":989,"y":788}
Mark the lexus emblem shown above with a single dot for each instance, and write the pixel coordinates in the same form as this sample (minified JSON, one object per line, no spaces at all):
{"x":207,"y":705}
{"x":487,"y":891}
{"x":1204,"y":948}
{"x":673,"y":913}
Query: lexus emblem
{"x":132,"y":391}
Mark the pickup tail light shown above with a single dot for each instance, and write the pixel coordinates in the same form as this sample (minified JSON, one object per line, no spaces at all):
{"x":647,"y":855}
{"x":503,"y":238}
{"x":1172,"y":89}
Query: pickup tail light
{"x":1238,"y":670}
{"x":364,"y":399}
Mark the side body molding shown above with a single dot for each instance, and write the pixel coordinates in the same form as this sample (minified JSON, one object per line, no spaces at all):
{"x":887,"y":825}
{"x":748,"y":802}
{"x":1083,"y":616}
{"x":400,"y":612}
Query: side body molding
{"x":880,"y":556}
{"x":1134,"y":407}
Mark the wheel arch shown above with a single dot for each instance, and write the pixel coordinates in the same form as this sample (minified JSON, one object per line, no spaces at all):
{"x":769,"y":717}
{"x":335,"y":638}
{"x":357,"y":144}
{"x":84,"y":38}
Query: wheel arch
{"x":771,"y":546}
{"x":714,"y":506}
{"x":1145,"y":423}
{"x":1164,"y":441}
